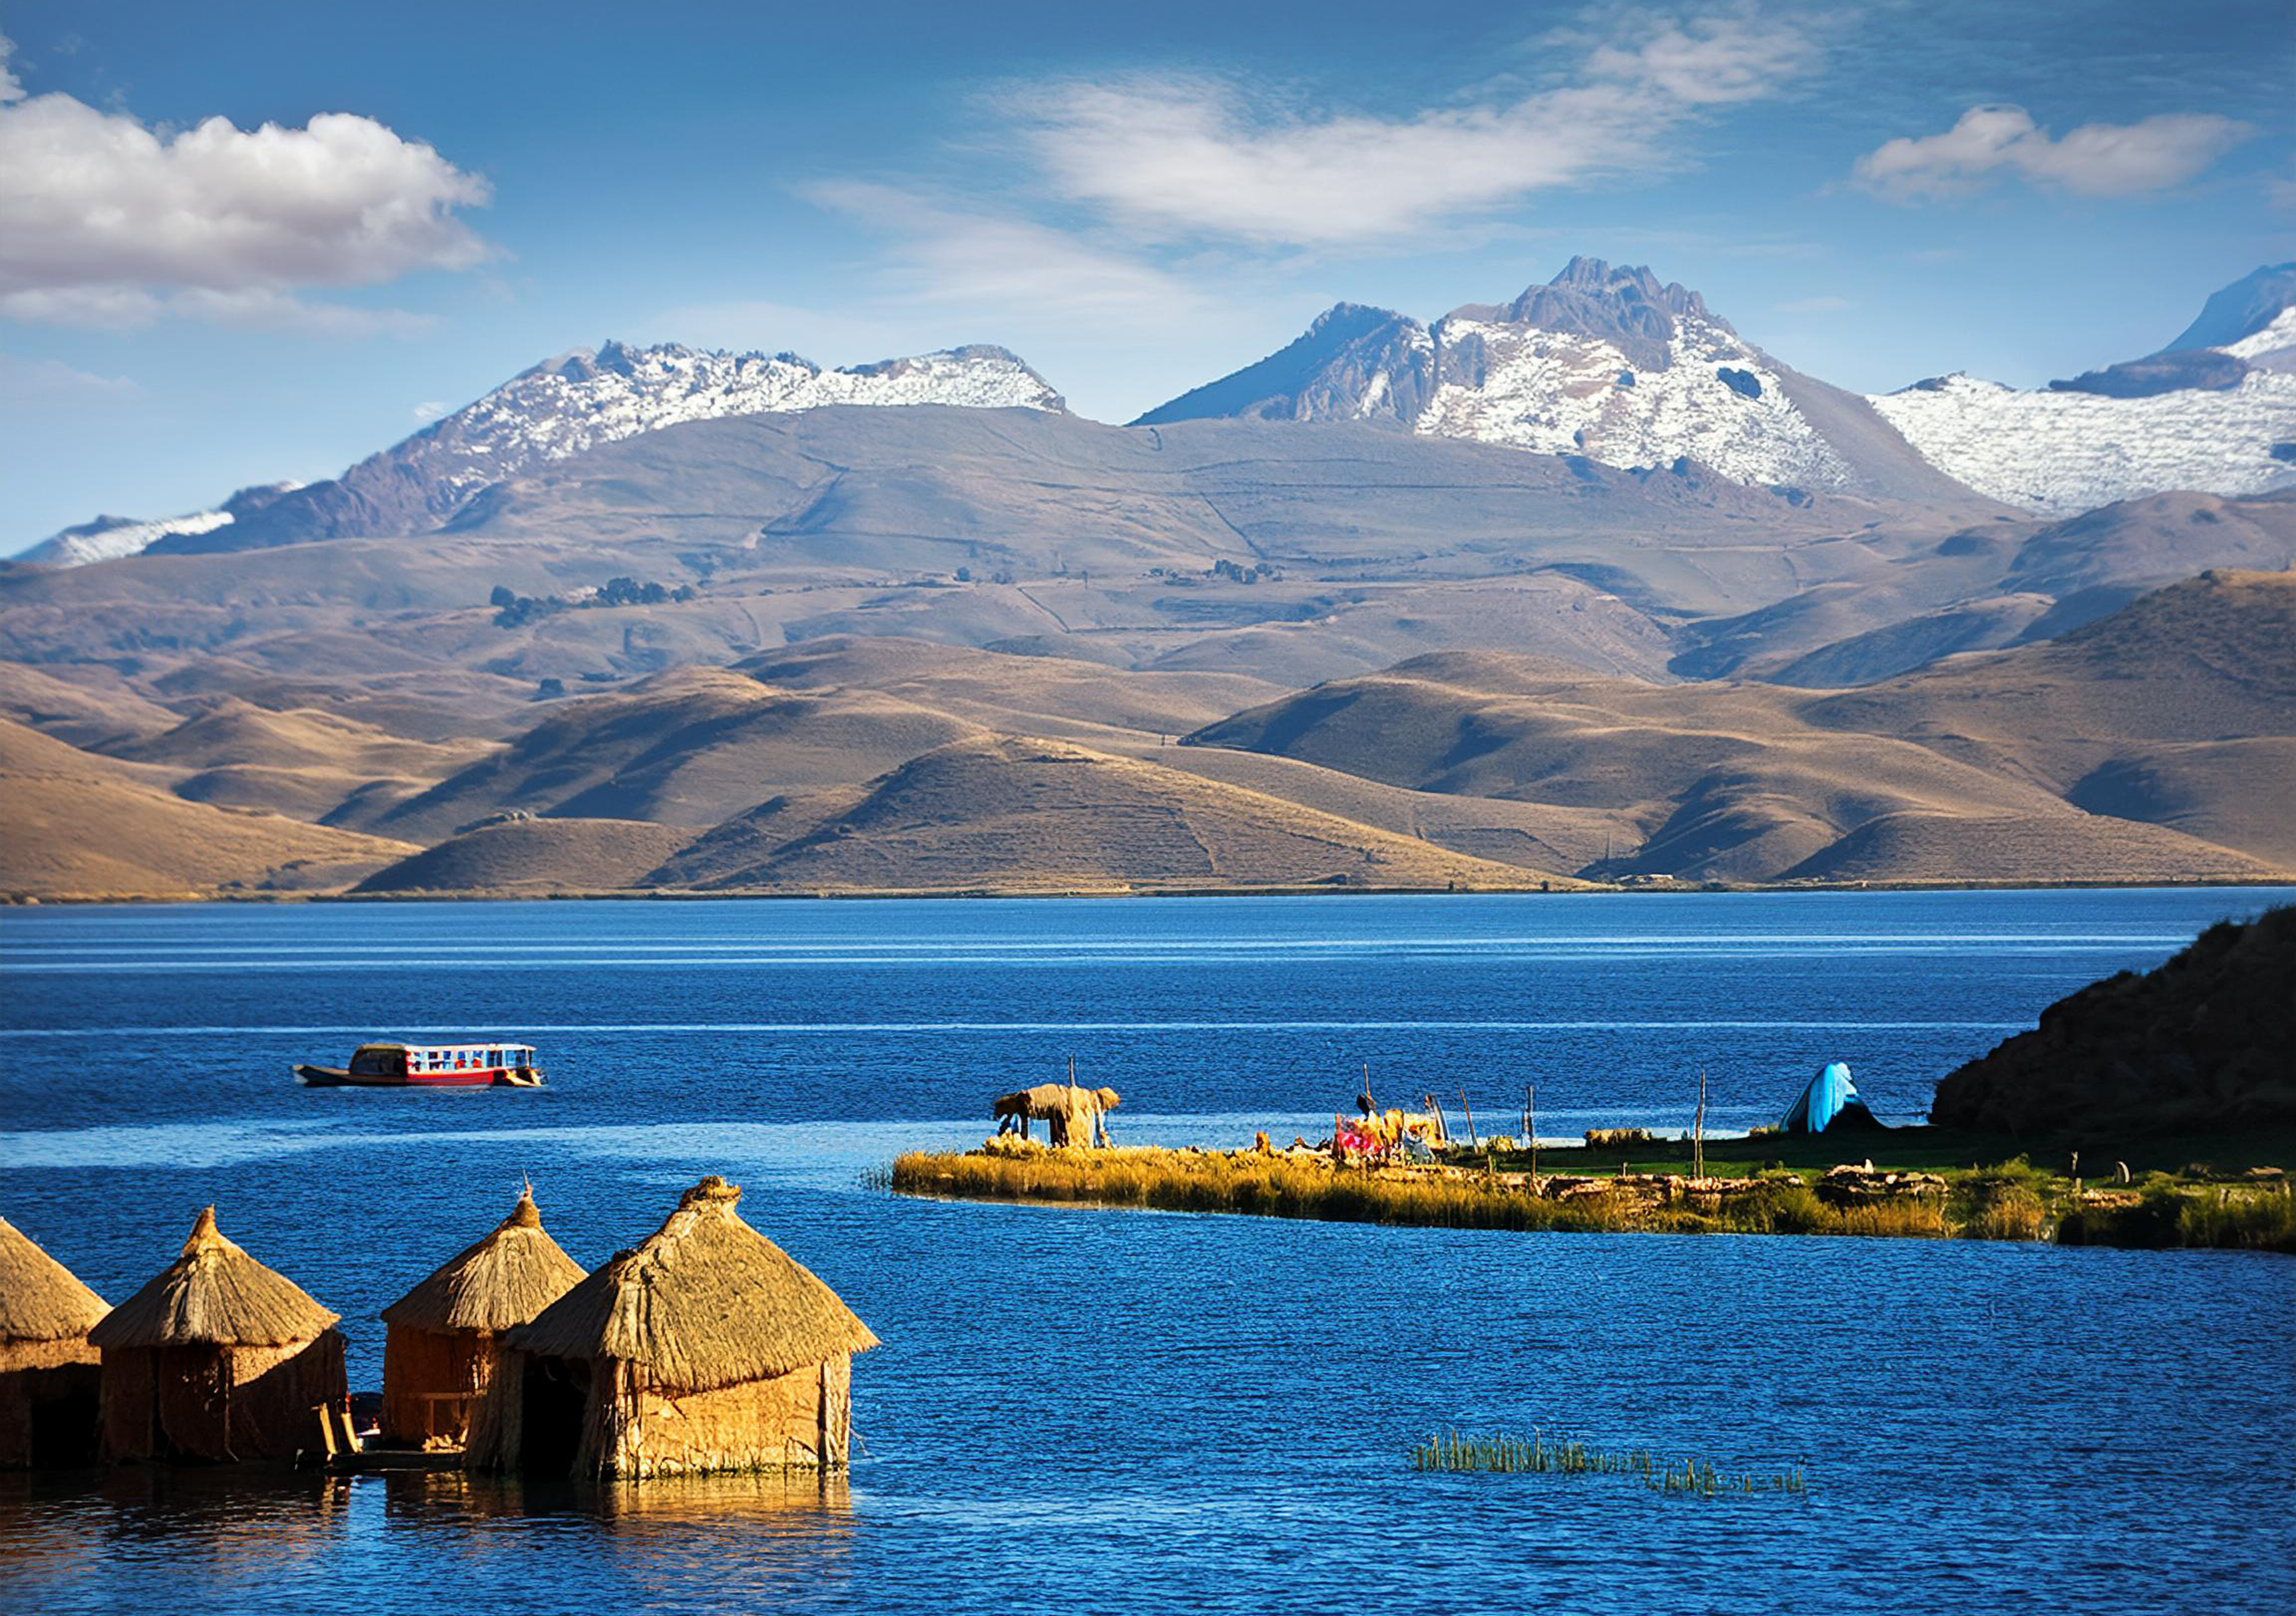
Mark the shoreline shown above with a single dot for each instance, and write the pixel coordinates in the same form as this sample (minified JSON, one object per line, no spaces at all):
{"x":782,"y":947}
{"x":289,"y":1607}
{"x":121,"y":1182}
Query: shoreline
{"x":1578,"y":888}
{"x":1917,"y":1194}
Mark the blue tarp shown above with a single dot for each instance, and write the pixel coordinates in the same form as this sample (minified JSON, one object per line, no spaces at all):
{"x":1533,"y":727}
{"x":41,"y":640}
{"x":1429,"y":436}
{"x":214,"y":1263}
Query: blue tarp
{"x":1830,"y":1094}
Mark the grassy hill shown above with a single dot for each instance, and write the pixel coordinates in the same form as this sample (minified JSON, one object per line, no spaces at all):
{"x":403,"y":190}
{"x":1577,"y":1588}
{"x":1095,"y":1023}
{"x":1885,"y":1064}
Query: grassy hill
{"x":81,"y":825}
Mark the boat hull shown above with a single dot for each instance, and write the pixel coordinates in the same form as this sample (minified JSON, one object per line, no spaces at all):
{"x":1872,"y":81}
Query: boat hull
{"x":336,"y":1076}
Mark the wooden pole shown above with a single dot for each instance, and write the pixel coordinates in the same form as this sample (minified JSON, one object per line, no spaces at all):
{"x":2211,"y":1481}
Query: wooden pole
{"x":1530,"y":1128}
{"x":1468,"y":1111}
{"x":1698,"y":1131}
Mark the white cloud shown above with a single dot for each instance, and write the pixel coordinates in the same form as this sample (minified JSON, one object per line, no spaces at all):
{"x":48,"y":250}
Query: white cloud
{"x":429,"y":409}
{"x":990,"y":262}
{"x":2095,"y":159}
{"x":50,"y":380}
{"x":1179,"y":157}
{"x":106,"y":221}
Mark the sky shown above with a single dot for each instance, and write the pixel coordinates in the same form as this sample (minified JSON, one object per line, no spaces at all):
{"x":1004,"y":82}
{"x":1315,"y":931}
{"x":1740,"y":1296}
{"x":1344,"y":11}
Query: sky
{"x":254,"y":242}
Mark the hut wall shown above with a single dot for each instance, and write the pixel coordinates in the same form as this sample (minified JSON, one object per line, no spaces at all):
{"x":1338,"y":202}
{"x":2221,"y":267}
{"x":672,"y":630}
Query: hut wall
{"x":497,"y":1417}
{"x":431,"y":1380}
{"x":802,"y":1420}
{"x":218,"y":1403}
{"x":49,"y":1399}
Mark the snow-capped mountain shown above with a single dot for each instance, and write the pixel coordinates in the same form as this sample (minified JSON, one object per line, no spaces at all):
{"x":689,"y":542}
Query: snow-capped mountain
{"x":1605,"y":362}
{"x":558,"y":408}
{"x":579,"y":400}
{"x":2214,"y":412}
{"x":110,"y":538}
{"x":1608,"y":363}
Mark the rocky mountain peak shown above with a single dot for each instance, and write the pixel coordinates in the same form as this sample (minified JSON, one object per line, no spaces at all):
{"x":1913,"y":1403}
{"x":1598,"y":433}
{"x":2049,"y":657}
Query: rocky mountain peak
{"x":2247,"y":306}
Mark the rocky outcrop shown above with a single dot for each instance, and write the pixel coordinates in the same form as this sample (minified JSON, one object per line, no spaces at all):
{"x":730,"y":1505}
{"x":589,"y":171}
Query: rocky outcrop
{"x":2200,"y":1045}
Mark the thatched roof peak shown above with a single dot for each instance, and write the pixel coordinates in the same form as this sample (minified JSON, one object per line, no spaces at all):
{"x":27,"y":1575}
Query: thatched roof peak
{"x":40,"y":1299}
{"x":214,"y":1294}
{"x":706,"y":1301}
{"x":204,"y":1233}
{"x":502,"y":1282}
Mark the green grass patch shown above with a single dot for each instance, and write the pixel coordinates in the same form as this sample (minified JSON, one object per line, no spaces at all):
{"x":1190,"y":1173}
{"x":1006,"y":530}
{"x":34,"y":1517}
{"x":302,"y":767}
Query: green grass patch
{"x":1448,"y":1452}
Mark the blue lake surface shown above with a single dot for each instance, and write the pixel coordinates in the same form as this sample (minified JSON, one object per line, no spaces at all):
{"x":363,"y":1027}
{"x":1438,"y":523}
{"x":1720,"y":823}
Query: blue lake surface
{"x":1087,"y":1411}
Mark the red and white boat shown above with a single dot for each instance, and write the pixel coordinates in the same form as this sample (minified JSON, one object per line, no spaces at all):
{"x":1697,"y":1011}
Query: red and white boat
{"x":430,"y":1066}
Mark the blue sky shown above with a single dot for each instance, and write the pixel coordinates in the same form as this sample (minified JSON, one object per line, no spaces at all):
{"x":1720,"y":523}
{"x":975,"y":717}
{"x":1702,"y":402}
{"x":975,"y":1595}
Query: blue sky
{"x":1135,"y":198}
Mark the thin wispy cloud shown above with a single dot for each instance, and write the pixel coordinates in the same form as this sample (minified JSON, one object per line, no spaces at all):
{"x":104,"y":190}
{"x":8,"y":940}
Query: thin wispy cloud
{"x":107,"y":221}
{"x":1180,"y":159}
{"x":47,"y":381}
{"x":950,"y":256}
{"x":1993,"y":143}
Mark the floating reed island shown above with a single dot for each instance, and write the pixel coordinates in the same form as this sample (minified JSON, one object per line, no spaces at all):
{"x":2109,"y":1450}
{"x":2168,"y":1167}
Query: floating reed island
{"x":707,"y":1348}
{"x":1928,"y":1184}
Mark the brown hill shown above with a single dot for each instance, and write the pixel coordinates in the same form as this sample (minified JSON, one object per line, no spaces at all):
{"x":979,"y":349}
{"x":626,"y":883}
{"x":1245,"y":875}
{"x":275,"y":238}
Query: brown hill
{"x":1041,"y":695}
{"x":2201,"y":1044}
{"x":532,"y":856}
{"x":2173,"y":710}
{"x":691,"y":748}
{"x":82,"y":826}
{"x":237,"y":734}
{"x":1019,"y":812}
{"x":93,"y":709}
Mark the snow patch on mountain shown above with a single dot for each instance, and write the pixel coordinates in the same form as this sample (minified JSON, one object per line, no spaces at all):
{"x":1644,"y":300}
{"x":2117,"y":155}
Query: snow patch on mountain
{"x":2062,"y":453}
{"x":2278,"y":336}
{"x":583,"y":399}
{"x":1715,"y":400}
{"x":111,"y":537}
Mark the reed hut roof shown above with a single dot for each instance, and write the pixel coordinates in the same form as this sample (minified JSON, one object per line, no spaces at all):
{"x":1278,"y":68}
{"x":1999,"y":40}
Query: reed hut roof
{"x":706,"y":1302}
{"x":503,"y":1280}
{"x":214,"y":1294}
{"x":40,"y":1299}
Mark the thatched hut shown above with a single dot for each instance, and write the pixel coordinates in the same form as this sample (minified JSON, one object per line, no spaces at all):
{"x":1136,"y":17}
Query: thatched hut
{"x":219,"y":1358}
{"x":50,"y":1383}
{"x":447,"y":1332}
{"x":1072,"y":1116}
{"x":707,"y":1348}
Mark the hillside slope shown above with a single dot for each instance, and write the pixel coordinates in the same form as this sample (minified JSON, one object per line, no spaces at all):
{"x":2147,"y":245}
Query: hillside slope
{"x":86,"y":827}
{"x":1015,"y":812}
{"x":2200,"y":1042}
{"x":2179,"y":711}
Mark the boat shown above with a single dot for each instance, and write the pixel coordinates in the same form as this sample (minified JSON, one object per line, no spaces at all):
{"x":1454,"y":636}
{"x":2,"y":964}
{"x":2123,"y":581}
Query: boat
{"x":430,"y":1066}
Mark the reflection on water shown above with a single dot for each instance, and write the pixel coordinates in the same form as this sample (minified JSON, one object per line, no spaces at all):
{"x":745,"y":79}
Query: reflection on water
{"x":262,"y":1529}
{"x":1075,"y":1411}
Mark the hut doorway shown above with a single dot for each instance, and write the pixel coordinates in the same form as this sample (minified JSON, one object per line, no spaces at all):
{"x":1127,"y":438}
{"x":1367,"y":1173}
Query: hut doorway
{"x":68,"y":1425}
{"x":554,"y":1401}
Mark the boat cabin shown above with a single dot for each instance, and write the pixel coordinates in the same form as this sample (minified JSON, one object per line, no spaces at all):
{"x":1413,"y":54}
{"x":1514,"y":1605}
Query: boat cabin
{"x":416,"y":1062}
{"x":420,"y":1065}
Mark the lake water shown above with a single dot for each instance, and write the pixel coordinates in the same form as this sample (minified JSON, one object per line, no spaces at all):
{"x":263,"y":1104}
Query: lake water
{"x":1094,"y":1411}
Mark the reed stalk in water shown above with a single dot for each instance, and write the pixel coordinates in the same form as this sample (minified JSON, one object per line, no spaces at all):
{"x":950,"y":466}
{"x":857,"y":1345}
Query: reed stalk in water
{"x":1448,"y":1452}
